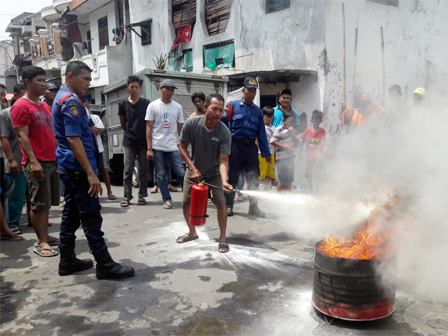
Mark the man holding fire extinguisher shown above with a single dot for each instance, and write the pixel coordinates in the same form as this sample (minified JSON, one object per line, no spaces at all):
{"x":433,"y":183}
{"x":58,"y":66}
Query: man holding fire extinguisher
{"x":210,"y":142}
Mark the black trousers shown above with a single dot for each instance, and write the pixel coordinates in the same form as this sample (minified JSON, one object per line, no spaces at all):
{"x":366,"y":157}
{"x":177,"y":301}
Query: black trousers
{"x":80,"y":209}
{"x":243,"y":158}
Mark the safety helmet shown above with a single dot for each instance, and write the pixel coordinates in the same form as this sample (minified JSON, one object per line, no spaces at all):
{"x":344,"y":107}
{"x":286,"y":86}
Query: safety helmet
{"x":420,"y":91}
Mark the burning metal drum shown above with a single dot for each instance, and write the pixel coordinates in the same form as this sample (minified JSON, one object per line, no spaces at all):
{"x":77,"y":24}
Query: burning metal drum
{"x":350,"y":289}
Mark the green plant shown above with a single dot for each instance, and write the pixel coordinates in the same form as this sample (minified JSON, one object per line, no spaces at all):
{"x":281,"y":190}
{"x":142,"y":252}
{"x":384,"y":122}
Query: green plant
{"x":160,"y":61}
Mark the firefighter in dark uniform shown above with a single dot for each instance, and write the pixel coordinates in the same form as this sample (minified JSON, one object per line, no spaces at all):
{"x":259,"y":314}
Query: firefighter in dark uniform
{"x":76,"y":155}
{"x":245,"y":121}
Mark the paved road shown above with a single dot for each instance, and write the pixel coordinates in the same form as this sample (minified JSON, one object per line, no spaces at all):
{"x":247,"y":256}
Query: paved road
{"x":261,"y":287}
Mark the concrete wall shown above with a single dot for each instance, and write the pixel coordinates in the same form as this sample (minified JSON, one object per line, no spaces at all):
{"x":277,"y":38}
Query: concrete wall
{"x":162,"y":31}
{"x":308,"y":37}
{"x":108,"y":10}
{"x":119,"y":65}
{"x":288,"y":39}
{"x":413,"y":31}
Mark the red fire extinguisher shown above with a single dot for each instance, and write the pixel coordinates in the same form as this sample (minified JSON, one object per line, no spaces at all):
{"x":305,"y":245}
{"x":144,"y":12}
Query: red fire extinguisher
{"x":198,"y":205}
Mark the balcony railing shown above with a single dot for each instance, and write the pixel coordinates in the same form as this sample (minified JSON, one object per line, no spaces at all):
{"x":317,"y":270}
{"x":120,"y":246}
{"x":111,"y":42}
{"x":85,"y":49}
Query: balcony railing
{"x":50,"y":46}
{"x":45,"y":46}
{"x":109,"y":64}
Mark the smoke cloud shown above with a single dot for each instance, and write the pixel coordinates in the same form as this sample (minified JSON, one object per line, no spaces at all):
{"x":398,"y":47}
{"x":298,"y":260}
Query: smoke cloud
{"x":396,"y":154}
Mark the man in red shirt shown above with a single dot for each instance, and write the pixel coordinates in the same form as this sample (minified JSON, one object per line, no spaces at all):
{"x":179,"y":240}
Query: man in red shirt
{"x":33,"y":123}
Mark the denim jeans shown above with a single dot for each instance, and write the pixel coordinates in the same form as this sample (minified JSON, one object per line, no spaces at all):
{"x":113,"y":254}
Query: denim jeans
{"x":168,"y":172}
{"x":130,"y":155}
{"x":176,"y":165}
{"x":80,"y":209}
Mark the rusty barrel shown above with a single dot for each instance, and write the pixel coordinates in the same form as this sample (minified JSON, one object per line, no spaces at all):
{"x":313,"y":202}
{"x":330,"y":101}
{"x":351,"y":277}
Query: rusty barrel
{"x":351,"y":289}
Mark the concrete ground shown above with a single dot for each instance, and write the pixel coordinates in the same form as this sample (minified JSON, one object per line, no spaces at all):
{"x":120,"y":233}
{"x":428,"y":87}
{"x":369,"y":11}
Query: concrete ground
{"x":261,"y":287}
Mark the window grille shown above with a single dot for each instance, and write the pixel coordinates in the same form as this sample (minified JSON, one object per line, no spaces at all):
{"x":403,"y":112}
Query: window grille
{"x":103,"y":33}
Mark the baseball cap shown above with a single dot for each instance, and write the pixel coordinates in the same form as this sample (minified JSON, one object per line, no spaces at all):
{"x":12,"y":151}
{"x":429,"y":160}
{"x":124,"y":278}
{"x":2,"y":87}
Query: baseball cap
{"x":168,"y":83}
{"x":420,"y":90}
{"x":285,"y":91}
{"x":250,"y":82}
{"x":51,"y":86}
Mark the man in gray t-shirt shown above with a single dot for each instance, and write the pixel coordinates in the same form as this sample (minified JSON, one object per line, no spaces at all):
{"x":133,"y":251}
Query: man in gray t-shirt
{"x":210,"y":142}
{"x":14,"y":179}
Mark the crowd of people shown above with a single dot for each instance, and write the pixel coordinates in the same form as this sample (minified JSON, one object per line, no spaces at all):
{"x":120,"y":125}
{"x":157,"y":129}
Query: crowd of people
{"x":44,"y":140}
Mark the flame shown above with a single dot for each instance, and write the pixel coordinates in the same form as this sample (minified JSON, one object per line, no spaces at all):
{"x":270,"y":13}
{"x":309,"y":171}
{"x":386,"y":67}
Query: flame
{"x":371,"y":241}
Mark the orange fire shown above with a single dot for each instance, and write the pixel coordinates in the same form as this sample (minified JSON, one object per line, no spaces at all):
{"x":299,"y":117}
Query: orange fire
{"x":370,"y":242}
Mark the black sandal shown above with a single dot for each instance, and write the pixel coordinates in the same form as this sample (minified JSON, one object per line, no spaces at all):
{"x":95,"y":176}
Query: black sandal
{"x":223,"y":246}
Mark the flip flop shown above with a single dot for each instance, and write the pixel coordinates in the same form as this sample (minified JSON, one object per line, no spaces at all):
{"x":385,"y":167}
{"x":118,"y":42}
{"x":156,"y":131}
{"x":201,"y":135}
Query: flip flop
{"x":125,"y":204}
{"x":167,"y":205}
{"x":141,"y":201}
{"x":155,"y":190}
{"x":223,"y":246}
{"x":38,"y":251}
{"x":112,"y":197}
{"x":13,"y":237}
{"x":17,"y":230}
{"x":173,"y":189}
{"x":185,"y":238}
{"x":53,"y":242}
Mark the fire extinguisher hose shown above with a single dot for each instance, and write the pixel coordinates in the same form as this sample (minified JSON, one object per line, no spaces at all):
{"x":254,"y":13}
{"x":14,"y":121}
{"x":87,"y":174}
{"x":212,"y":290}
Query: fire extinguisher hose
{"x":214,"y":186}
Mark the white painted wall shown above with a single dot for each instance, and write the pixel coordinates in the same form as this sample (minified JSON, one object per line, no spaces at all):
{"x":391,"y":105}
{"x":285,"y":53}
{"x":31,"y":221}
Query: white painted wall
{"x":415,"y":30}
{"x":308,"y":37}
{"x":108,"y":10}
{"x":162,"y":31}
{"x":288,"y":39}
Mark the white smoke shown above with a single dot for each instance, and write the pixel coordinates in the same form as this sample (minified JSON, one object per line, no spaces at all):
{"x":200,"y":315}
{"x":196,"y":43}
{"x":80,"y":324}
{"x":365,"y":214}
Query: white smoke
{"x":409,"y":158}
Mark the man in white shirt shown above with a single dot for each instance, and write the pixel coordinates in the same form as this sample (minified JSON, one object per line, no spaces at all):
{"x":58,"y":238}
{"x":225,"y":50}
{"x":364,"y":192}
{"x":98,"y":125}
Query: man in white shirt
{"x":97,"y":128}
{"x":164,"y":120}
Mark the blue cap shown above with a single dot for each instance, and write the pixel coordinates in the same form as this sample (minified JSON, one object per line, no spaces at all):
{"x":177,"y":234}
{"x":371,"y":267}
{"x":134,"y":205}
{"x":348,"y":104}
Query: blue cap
{"x":52,"y":86}
{"x":250,"y":82}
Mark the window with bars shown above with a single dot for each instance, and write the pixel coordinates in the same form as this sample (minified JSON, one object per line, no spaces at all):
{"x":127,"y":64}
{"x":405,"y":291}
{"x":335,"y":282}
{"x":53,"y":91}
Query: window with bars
{"x":89,"y":41}
{"x":217,"y":14}
{"x":145,"y":28}
{"x":119,"y":12}
{"x":386,"y":2}
{"x":219,"y":55}
{"x":277,"y":5}
{"x":103,"y":33}
{"x":183,"y":13}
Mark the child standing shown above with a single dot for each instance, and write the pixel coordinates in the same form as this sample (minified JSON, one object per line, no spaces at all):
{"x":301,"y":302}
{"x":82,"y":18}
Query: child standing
{"x":285,"y":140}
{"x":267,"y":173}
{"x":314,"y":139}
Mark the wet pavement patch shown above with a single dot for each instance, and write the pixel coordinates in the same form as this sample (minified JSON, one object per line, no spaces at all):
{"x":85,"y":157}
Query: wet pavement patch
{"x":206,"y":325}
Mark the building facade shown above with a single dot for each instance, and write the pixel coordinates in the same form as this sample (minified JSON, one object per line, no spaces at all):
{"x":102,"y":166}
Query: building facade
{"x":307,"y":46}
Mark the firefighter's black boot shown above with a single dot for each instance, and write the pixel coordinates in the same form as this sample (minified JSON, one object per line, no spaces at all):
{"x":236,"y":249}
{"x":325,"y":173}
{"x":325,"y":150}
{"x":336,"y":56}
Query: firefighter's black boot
{"x":69,"y":264}
{"x":107,"y":268}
